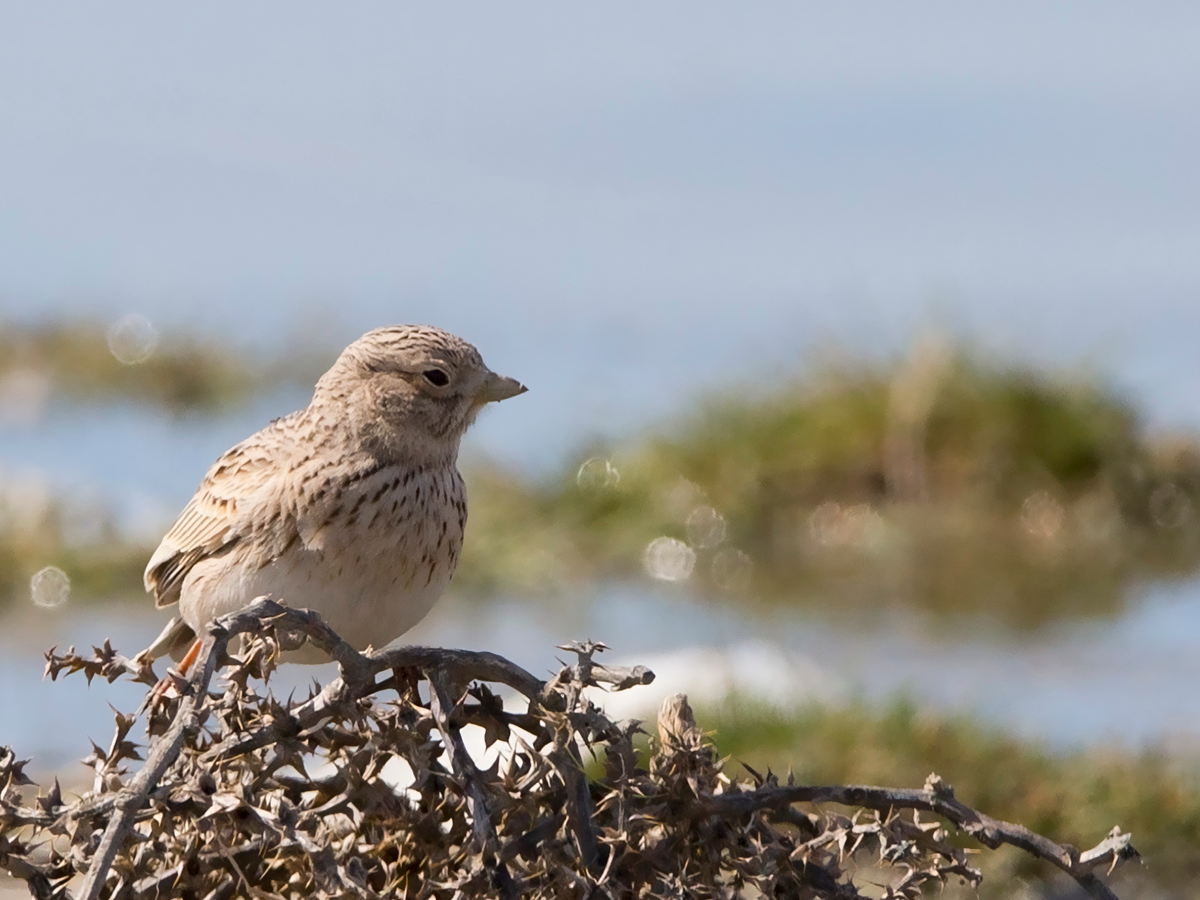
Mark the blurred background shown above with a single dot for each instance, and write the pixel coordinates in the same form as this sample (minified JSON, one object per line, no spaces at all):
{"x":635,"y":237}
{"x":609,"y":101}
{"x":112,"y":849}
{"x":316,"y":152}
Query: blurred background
{"x":861,"y":345}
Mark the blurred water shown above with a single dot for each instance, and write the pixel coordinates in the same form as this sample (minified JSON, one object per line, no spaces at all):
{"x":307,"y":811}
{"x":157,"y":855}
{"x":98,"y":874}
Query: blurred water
{"x":623,"y":220}
{"x":598,"y":373}
{"x":144,"y":461}
{"x":1127,"y":681}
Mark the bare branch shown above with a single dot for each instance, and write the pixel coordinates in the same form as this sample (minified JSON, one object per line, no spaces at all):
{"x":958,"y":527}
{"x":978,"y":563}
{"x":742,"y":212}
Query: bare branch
{"x":242,"y":795}
{"x":938,"y":798}
{"x":441,"y":705}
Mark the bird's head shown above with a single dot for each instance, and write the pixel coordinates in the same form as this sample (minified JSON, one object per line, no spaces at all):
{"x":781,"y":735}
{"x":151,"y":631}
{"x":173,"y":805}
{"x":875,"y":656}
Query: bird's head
{"x":412,"y":391}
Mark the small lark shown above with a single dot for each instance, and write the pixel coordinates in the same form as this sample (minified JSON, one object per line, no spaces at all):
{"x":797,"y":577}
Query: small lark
{"x":352,"y":507}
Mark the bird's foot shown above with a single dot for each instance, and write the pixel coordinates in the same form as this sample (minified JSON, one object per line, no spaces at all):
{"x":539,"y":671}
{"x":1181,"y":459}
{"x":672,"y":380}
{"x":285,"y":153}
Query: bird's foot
{"x":172,"y":684}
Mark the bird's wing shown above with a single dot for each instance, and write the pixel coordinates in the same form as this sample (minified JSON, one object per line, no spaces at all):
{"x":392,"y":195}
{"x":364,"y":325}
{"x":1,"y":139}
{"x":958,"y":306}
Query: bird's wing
{"x":210,"y":523}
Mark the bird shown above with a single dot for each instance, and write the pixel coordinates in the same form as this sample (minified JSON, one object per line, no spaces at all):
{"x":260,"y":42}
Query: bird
{"x":352,"y":507}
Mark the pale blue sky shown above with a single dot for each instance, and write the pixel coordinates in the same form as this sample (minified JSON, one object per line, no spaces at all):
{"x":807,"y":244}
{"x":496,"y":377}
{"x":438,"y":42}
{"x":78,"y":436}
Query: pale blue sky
{"x":621,"y":203}
{"x":617,"y":201}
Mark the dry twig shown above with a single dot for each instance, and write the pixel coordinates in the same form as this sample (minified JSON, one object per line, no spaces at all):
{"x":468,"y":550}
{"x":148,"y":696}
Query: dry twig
{"x":367,"y":789}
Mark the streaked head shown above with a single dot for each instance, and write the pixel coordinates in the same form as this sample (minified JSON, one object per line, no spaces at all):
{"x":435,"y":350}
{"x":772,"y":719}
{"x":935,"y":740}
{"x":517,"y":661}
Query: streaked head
{"x":413,"y":384}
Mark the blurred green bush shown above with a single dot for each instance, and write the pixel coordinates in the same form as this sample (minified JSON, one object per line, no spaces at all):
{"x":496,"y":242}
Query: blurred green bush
{"x":90,"y":361}
{"x":942,"y":481}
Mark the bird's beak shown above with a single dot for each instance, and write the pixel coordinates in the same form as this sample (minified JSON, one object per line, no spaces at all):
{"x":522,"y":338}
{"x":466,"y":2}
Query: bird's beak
{"x":497,"y":388}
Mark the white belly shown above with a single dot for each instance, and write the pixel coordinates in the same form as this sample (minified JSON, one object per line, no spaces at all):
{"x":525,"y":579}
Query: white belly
{"x":372,"y":569}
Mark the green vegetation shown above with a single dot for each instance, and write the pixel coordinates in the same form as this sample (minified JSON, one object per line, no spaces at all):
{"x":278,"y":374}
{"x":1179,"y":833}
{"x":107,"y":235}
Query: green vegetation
{"x":1076,"y":797}
{"x":88,"y":361}
{"x":943,"y":482}
{"x":93,"y":362}
{"x":35,"y":532}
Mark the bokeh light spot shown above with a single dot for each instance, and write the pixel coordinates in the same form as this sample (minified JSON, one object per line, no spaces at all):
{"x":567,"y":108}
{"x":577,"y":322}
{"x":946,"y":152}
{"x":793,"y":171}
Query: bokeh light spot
{"x":1042,"y":517}
{"x":597,"y":474}
{"x":668,"y":559}
{"x":50,"y":587}
{"x":132,"y":339}
{"x":732,"y":569}
{"x":705,"y":527}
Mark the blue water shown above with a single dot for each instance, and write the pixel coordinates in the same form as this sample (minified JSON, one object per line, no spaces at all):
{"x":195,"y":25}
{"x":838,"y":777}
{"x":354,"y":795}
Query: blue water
{"x":1127,"y":681}
{"x":625,"y":220}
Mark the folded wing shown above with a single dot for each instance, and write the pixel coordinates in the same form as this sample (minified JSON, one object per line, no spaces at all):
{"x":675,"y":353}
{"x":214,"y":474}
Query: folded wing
{"x":215,"y":519}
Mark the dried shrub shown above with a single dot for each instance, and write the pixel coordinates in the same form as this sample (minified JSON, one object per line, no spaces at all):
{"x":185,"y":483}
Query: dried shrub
{"x":242,"y":795}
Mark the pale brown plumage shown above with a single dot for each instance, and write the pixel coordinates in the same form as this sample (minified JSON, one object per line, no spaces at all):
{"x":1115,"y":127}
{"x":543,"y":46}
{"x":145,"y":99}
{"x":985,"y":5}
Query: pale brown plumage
{"x":352,"y":506}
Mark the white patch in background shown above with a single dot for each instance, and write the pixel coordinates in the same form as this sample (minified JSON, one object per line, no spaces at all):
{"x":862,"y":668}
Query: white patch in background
{"x":25,"y":500}
{"x":754,"y":670}
{"x":24,"y":393}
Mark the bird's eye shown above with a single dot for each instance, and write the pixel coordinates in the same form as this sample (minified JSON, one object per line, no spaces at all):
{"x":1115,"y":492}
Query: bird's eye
{"x":436,"y":377}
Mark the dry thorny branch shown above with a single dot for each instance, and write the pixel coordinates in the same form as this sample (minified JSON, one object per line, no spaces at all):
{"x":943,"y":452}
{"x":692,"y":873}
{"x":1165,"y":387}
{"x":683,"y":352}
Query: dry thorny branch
{"x":367,"y":789}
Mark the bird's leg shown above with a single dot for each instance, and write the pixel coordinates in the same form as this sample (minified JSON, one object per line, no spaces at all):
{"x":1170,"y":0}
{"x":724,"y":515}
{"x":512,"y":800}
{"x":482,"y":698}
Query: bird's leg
{"x":189,"y":658}
{"x":169,"y":680}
